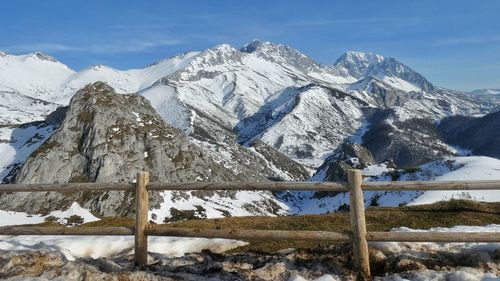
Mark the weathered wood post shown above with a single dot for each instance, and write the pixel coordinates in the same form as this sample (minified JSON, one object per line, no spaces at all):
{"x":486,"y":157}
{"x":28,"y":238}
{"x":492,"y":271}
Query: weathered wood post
{"x":141,"y":219}
{"x":358,"y":224}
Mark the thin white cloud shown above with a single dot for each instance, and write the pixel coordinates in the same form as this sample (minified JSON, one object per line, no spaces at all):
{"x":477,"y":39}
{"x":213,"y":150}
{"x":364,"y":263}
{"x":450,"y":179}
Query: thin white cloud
{"x":45,"y":47}
{"x":303,"y":23}
{"x":465,"y":40}
{"x":133,"y":46}
{"x":116,"y":47}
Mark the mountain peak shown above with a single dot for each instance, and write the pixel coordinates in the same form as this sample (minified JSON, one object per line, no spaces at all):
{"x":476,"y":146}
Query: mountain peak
{"x":257,"y":44}
{"x":364,"y":64}
{"x":223,"y":48}
{"x":268,"y":48}
{"x":363,"y":56}
{"x":41,"y":56}
{"x":282,"y":54}
{"x":356,"y":63}
{"x":2,"y":54}
{"x":98,"y":66}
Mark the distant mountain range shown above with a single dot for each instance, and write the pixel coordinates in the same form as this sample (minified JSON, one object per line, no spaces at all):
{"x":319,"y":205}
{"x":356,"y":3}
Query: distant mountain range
{"x":487,"y":92}
{"x":264,"y":112}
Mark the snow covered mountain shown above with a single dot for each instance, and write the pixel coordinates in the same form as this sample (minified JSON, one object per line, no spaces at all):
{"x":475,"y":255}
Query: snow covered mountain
{"x":264,"y":108}
{"x":34,"y":75}
{"x":360,"y":65}
{"x":29,"y":86}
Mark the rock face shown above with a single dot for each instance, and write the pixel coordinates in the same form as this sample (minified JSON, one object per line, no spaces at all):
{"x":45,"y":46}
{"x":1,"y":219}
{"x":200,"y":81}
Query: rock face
{"x":106,"y":137}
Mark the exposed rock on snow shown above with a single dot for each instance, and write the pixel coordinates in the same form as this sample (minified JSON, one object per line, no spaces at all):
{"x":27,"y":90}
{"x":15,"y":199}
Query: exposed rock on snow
{"x":348,"y":156}
{"x":440,"y":261}
{"x":282,"y":266}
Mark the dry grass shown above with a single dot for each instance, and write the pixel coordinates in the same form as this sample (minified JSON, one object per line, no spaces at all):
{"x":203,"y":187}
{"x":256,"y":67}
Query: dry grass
{"x":445,"y":214}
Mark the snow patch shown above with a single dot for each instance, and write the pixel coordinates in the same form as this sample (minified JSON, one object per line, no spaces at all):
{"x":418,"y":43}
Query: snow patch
{"x":73,"y":247}
{"x":18,"y":218}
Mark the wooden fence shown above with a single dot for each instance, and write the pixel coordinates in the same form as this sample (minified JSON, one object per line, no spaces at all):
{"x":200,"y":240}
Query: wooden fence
{"x":355,"y":186}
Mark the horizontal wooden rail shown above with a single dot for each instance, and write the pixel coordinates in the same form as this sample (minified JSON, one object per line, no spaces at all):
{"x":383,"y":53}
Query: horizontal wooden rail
{"x":66,"y":187}
{"x":273,"y":186}
{"x":160,"y":230}
{"x":475,"y":237}
{"x":63,"y":230}
{"x":432,"y":185}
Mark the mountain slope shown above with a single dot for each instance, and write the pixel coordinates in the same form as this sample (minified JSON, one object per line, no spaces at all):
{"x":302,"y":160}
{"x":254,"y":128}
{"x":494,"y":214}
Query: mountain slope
{"x":481,"y":135}
{"x":29,"y":87}
{"x":17,"y":108}
{"x":306,"y":122}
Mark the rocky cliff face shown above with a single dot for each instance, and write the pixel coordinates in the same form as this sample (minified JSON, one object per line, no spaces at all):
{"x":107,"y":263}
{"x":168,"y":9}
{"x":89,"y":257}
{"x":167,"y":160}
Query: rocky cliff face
{"x":106,"y":137}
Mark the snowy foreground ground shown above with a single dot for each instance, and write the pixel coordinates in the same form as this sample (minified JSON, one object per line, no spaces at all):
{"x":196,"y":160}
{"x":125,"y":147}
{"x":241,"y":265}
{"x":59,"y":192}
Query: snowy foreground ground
{"x":77,"y":247}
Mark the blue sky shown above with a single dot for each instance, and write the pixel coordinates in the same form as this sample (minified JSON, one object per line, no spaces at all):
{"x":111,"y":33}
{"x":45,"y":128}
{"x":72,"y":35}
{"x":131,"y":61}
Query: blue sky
{"x":455,"y":44}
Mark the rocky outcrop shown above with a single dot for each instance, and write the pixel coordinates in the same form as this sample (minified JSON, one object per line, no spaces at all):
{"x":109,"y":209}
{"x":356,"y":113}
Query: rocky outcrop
{"x":348,"y":156}
{"x":106,"y":137}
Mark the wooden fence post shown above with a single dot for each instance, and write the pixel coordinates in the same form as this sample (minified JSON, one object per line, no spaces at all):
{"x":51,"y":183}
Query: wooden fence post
{"x":358,"y":225}
{"x":141,"y":219}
